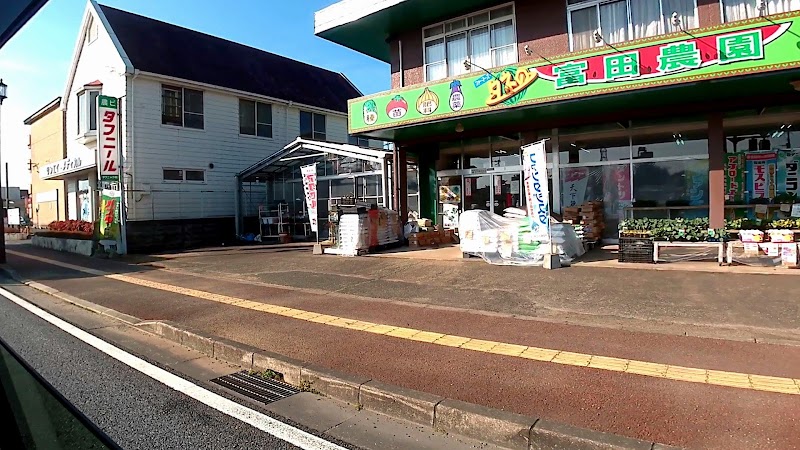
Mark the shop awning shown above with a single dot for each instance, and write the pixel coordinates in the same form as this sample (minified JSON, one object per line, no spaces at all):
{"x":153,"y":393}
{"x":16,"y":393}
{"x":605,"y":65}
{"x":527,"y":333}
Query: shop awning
{"x":307,"y":149}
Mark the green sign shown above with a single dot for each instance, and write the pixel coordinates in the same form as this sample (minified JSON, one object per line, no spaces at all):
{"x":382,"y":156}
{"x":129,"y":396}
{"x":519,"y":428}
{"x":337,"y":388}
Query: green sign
{"x":752,"y":46}
{"x":734,"y":177}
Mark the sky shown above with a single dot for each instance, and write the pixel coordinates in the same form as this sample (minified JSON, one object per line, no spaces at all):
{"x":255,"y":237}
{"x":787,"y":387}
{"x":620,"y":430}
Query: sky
{"x":35,"y":63}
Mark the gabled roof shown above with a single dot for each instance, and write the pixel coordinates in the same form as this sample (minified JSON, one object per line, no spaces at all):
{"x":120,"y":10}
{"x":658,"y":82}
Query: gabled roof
{"x":165,"y":49}
{"x":43,"y":111}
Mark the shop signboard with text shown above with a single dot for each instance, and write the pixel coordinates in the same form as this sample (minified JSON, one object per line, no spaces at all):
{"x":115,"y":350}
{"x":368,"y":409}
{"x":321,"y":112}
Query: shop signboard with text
{"x":537,"y":190}
{"x":752,"y":46}
{"x":109,"y":164}
{"x":761,"y":176}
{"x":309,"y":174}
{"x":735,"y":188}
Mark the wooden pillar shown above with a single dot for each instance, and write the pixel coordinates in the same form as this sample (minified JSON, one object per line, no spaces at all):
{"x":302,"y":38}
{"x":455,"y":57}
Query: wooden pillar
{"x":401,"y":184}
{"x":716,"y":171}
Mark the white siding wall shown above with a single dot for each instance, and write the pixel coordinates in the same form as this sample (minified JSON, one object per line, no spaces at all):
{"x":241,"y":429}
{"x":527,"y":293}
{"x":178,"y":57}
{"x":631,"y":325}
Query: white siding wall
{"x":99,"y":60}
{"x":153,"y":146}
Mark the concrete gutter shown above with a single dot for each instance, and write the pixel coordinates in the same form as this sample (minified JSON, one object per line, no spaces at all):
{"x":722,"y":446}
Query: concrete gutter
{"x":502,"y":428}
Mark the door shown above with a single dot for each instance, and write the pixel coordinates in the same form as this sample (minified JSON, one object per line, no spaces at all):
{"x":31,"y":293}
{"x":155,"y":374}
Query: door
{"x":478,"y":192}
{"x":507,"y":192}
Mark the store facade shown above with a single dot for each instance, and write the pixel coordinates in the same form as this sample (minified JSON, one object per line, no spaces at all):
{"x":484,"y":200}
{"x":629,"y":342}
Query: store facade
{"x":690,"y":115}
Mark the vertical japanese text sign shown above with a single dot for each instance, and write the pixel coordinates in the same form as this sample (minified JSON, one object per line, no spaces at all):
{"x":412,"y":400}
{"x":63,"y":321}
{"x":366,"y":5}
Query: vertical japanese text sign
{"x":537,"y":189}
{"x":309,"y":174}
{"x":108,"y":166}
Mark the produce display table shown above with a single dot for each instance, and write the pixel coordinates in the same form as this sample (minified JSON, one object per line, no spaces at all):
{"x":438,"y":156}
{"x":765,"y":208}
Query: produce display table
{"x":719,"y":245}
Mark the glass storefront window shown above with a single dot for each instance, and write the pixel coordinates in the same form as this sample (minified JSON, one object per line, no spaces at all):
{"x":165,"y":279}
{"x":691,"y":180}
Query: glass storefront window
{"x":477,"y":192}
{"x":508,"y":192}
{"x":449,"y":158}
{"x":506,"y":151}
{"x":477,"y":154}
{"x":671,"y":183}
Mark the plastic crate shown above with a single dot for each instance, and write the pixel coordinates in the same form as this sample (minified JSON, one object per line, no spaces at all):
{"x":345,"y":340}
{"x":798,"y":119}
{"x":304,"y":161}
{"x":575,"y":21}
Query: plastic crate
{"x":636,"y":250}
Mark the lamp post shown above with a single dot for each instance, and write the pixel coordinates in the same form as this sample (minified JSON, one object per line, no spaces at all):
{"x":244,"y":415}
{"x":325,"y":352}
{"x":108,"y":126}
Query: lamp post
{"x":3,"y":88}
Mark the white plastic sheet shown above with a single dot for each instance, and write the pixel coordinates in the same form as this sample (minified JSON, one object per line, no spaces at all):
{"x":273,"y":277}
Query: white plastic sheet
{"x":508,"y":241}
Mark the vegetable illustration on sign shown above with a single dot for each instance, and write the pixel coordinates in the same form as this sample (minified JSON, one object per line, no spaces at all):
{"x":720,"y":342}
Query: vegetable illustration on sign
{"x":370,"y":112}
{"x":456,"y":96}
{"x":397,"y":107}
{"x":427,"y":102}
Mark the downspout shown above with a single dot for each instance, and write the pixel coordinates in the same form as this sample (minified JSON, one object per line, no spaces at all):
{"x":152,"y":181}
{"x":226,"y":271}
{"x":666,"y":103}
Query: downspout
{"x":400,"y":56}
{"x":133,"y":134}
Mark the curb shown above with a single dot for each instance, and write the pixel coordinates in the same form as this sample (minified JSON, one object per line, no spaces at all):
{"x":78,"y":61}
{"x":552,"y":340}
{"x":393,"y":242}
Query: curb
{"x":502,"y":428}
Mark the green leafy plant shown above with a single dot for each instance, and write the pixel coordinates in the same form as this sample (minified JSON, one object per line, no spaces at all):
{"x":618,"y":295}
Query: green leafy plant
{"x":785,"y":197}
{"x":690,"y":230}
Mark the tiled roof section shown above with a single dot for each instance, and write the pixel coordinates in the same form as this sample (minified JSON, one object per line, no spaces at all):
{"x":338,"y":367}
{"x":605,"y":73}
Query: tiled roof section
{"x":166,"y":49}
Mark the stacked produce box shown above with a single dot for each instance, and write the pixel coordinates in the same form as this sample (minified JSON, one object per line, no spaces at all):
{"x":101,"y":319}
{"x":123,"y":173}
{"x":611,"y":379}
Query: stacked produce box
{"x":588,"y":220}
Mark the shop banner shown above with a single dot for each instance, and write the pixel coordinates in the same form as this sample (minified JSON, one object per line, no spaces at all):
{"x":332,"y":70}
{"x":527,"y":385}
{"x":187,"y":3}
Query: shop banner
{"x":537,"y":190}
{"x":575,"y":181}
{"x":697,"y":182}
{"x":761,"y":177}
{"x":109,"y":164}
{"x":734,"y":177}
{"x":309,"y":174}
{"x":788,"y":165}
{"x":748,"y":46}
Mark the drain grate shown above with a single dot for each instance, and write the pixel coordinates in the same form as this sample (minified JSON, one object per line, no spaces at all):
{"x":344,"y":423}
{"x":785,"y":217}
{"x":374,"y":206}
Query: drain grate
{"x":257,"y":388}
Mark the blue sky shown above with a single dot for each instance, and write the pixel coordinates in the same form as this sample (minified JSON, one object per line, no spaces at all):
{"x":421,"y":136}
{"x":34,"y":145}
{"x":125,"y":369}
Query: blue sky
{"x":35,"y":62}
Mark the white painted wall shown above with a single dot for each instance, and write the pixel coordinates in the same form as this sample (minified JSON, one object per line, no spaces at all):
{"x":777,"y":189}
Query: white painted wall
{"x":152,"y":147}
{"x":98,"y":60}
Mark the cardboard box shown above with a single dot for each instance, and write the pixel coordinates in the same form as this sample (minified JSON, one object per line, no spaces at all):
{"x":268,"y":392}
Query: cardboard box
{"x":771,"y":249}
{"x":789,"y":255}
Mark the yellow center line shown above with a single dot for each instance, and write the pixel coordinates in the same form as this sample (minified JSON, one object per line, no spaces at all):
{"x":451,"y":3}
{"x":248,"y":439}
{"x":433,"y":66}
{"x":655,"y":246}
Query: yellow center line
{"x":655,"y":370}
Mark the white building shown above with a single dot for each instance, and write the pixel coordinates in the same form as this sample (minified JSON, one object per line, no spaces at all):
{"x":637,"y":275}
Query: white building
{"x":196,"y":110}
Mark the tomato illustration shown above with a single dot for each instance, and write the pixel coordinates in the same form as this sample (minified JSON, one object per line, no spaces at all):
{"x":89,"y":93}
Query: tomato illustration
{"x":397,"y":107}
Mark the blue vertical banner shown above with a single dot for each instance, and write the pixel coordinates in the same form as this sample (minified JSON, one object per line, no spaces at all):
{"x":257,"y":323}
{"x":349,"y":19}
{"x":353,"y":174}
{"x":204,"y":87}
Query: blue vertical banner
{"x":537,"y":189}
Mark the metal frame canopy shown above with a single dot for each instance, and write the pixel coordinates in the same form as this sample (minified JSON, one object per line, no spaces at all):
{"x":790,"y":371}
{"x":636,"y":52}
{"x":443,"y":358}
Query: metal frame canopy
{"x":14,"y":14}
{"x":300,"y":149}
{"x":366,"y":25}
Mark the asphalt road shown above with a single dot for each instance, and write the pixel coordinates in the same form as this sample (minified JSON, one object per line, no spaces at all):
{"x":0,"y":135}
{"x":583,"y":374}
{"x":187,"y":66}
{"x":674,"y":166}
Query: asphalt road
{"x":134,"y":410}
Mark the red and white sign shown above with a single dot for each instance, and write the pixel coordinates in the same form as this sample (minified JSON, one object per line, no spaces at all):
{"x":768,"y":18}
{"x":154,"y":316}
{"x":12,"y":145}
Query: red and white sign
{"x":108,"y":148}
{"x":309,"y":174}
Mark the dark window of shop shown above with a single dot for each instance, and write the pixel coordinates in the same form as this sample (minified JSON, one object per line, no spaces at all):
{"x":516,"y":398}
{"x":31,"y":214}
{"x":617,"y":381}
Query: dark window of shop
{"x":486,"y":39}
{"x":255,"y":118}
{"x":358,"y":140}
{"x":733,"y":10}
{"x":595,"y":23}
{"x":189,"y":175}
{"x":182,"y":107}
{"x":312,"y":126}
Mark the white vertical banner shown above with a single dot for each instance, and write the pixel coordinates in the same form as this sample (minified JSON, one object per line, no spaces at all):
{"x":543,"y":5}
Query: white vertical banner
{"x":537,"y":189}
{"x":309,"y":174}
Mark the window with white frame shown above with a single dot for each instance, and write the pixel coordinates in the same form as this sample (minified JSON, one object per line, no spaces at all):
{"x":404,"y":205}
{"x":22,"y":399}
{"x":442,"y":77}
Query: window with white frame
{"x":87,"y":111}
{"x":312,"y":126}
{"x":91,"y":31}
{"x":188,"y":175}
{"x":487,"y":39}
{"x":623,"y":20}
{"x":733,"y":10}
{"x":255,"y":118}
{"x":182,"y":107}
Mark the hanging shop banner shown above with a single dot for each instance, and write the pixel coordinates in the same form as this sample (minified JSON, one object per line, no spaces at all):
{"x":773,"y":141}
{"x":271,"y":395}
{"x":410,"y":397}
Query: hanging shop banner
{"x":696,"y":176}
{"x":734,"y":177}
{"x":109,"y":163}
{"x":749,"y":46}
{"x":575,"y":181}
{"x":761,"y":176}
{"x":309,"y":174}
{"x":537,"y":189}
{"x":788,"y":169}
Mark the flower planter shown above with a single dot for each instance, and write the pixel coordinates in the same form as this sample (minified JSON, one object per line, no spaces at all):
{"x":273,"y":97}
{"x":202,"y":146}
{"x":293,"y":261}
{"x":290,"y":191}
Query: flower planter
{"x":80,"y":246}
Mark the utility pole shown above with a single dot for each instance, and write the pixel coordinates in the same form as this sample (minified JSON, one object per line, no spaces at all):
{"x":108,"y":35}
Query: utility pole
{"x":2,"y":202}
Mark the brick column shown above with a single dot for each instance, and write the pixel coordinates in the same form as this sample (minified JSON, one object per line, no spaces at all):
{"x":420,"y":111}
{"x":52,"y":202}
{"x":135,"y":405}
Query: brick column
{"x":716,"y":171}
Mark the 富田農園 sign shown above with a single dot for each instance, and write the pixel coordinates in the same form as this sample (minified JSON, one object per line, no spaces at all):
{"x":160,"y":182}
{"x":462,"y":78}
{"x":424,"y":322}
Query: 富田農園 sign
{"x":751,"y":46}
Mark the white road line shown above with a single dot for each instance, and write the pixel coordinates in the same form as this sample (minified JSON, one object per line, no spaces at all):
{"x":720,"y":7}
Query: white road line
{"x":249,"y":416}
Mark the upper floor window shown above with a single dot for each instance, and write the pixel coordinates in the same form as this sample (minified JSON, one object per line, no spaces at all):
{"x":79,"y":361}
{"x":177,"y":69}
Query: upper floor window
{"x":87,"y":111}
{"x":182,"y":107}
{"x":91,"y":31}
{"x":622,"y":20}
{"x":487,"y":39}
{"x":358,"y":140}
{"x":255,"y":118}
{"x":312,"y":126}
{"x":733,"y":10}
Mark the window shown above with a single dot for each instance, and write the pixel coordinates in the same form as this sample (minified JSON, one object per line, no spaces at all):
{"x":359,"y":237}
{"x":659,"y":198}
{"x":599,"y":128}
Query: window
{"x":87,"y":111}
{"x":192,"y":175}
{"x":487,"y":39}
{"x":255,"y":118}
{"x":91,"y":31}
{"x":182,"y":107}
{"x":733,"y":10}
{"x":358,"y":140}
{"x":312,"y":126}
{"x":622,"y":20}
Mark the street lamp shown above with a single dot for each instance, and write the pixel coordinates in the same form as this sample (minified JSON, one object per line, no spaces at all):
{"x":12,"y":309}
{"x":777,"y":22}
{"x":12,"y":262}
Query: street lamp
{"x":3,"y":88}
